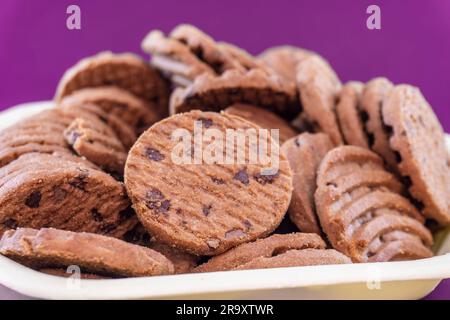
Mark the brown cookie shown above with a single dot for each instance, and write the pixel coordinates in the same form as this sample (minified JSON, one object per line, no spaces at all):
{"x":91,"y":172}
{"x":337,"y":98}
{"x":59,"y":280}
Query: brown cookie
{"x":97,"y":143}
{"x":263,"y":118}
{"x":304,"y":153}
{"x":244,"y":58}
{"x":418,"y":140}
{"x":122,"y":130}
{"x":372,"y":100}
{"x":126,"y":71}
{"x":136,"y":112}
{"x":298,"y":258}
{"x":349,"y":115}
{"x":41,"y":190}
{"x":186,"y":54}
{"x":318,"y":87}
{"x":361,"y":209}
{"x":53,"y":248}
{"x":272,"y":246}
{"x":183,"y":262}
{"x":284,"y":60}
{"x":256,"y":87}
{"x":205,"y":209}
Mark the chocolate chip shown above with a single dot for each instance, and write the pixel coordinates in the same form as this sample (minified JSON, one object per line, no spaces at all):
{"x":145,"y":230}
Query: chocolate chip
{"x":108,"y":227}
{"x":33,"y":200}
{"x":213,"y":243}
{"x":96,"y":215}
{"x":206,"y":122}
{"x":126,"y":214}
{"x":297,"y":142}
{"x":217,"y":180}
{"x":206,"y":210}
{"x":79,"y":181}
{"x":265,"y":178}
{"x":247,"y":224}
{"x":154,"y":154}
{"x":398,"y":156}
{"x":10,"y":223}
{"x":242,"y":176}
{"x":157,"y":202}
{"x":235,"y":233}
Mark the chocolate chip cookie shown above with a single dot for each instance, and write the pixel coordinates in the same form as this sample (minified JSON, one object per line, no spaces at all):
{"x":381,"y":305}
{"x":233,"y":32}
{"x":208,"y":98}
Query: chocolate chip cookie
{"x":304,"y":153}
{"x":418,"y":141}
{"x":42,"y":190}
{"x":97,"y":143}
{"x":53,"y":248}
{"x":263,"y":118}
{"x":318,"y":87}
{"x":350,"y":116}
{"x":205,"y":209}
{"x":362,"y":211}
{"x":126,"y":71}
{"x":256,"y":87}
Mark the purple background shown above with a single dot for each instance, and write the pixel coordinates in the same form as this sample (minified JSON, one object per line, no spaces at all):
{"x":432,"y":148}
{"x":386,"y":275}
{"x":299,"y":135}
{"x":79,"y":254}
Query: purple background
{"x":413,"y":45}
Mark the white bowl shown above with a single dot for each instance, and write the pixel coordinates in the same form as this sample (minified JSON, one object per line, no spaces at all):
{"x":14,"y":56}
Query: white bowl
{"x":388,"y":280}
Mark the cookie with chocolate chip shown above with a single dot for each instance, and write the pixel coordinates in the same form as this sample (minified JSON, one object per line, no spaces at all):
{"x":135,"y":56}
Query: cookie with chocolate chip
{"x":318,"y":87}
{"x":255,"y":86}
{"x":418,"y":140}
{"x":192,"y":195}
{"x":304,"y":153}
{"x":372,"y":99}
{"x":43,"y":190}
{"x":263,"y":118}
{"x":126,"y":71}
{"x":135,"y":112}
{"x":362,"y":210}
{"x":97,"y":143}
{"x":97,"y":254}
{"x":272,"y":246}
{"x":349,"y":115}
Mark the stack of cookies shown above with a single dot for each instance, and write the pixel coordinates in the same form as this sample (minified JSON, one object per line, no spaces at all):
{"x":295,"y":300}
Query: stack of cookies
{"x":114,"y":178}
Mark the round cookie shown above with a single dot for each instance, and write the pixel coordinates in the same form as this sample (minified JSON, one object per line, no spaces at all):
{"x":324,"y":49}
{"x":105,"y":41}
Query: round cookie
{"x":304,"y":153}
{"x":95,"y":253}
{"x":256,"y":87}
{"x":318,"y":87}
{"x":204,"y":209}
{"x":136,"y":112}
{"x":372,"y":100}
{"x":418,"y":140}
{"x":42,"y":190}
{"x":349,"y":115}
{"x":284,"y":60}
{"x":126,"y":71}
{"x":96,"y":143}
{"x":361,"y":209}
{"x":298,"y":258}
{"x":269,"y":247}
{"x":263,"y":118}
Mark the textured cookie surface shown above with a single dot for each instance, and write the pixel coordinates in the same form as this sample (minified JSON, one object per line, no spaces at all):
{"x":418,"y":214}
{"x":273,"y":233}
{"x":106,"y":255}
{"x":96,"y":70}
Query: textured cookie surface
{"x":349,"y":115}
{"x":256,"y":87}
{"x":97,"y":143}
{"x":304,"y":153}
{"x":372,"y":100}
{"x":261,"y":248}
{"x":419,"y":142}
{"x":136,"y":112}
{"x":362,"y":212}
{"x":42,"y":190}
{"x":263,"y":118}
{"x":95,"y":253}
{"x":209,"y":208}
{"x":318,"y":87}
{"x":126,"y":71}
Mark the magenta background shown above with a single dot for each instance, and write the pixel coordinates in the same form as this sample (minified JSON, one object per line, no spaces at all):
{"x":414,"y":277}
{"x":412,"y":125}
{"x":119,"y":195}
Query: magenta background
{"x":413,"y":45}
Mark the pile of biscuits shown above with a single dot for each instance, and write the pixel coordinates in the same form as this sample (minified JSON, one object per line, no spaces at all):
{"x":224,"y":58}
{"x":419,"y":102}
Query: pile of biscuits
{"x":363,"y":173}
